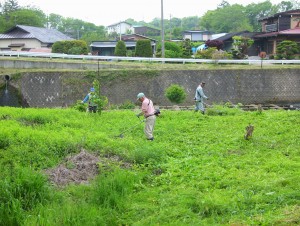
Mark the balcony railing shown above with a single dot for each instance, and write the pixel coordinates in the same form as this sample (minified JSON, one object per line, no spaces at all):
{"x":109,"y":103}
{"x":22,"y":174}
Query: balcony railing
{"x":271,"y":27}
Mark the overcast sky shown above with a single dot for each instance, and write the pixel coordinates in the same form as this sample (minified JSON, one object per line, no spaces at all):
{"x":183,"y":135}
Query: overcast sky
{"x":113,"y":11}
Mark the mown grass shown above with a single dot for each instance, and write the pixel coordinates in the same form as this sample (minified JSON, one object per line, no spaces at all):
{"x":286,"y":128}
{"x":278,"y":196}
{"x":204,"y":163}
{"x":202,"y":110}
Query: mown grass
{"x":199,"y":170}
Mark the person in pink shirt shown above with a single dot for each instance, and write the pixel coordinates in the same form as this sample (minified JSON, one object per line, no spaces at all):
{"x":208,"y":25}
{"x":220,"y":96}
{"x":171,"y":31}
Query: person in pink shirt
{"x":148,"y":111}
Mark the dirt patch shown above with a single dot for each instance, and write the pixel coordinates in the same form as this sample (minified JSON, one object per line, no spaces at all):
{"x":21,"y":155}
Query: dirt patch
{"x":81,"y":168}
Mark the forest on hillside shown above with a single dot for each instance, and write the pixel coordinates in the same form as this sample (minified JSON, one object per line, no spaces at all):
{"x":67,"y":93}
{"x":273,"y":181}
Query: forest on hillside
{"x":226,"y":18}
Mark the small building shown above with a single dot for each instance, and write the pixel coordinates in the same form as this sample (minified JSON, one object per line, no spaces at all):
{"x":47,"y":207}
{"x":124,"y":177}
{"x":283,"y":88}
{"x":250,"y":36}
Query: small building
{"x":197,"y":36}
{"x":107,"y":48}
{"x":122,"y":27}
{"x":28,"y":38}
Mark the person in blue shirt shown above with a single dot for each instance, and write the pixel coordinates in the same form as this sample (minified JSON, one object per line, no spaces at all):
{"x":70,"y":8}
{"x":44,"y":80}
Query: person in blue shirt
{"x":199,"y":98}
{"x":91,"y":97}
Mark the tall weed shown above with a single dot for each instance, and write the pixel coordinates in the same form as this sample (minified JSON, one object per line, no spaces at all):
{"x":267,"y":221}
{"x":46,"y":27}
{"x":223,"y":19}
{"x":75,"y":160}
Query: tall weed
{"x":20,"y":193}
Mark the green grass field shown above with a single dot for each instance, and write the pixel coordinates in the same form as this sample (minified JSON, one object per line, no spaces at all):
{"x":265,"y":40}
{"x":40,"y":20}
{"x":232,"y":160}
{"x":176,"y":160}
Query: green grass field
{"x":198,"y":171}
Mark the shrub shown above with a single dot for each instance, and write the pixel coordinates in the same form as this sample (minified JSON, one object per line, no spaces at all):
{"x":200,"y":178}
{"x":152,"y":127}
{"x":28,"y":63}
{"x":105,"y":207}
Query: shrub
{"x":120,"y":49}
{"x":206,"y":53}
{"x":75,"y":50}
{"x":286,"y":50}
{"x":143,"y":48}
{"x":172,"y":50}
{"x":79,"y":106}
{"x":241,"y":45}
{"x":127,"y":105}
{"x":217,"y":55}
{"x":70,"y":47}
{"x":102,"y":100}
{"x":186,"y":48}
{"x":175,"y":93}
{"x":215,"y":43}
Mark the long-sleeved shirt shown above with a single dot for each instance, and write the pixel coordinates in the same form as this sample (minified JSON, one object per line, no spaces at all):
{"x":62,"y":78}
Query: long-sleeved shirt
{"x":199,"y":95}
{"x":90,"y":97}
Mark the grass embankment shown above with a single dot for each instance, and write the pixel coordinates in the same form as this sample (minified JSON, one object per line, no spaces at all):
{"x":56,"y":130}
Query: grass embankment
{"x":121,"y":65}
{"x":199,"y":170}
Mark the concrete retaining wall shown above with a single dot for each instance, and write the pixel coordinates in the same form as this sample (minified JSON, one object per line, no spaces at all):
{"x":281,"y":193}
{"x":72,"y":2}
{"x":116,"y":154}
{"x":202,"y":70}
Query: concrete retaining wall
{"x":50,"y":64}
{"x":59,"y":89}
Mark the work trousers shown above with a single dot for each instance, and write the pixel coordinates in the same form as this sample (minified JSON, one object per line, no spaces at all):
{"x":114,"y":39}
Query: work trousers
{"x":149,"y":126}
{"x":199,"y":106}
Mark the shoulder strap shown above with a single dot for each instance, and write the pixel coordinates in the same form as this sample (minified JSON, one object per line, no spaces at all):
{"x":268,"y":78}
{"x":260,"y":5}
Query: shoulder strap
{"x":198,"y":93}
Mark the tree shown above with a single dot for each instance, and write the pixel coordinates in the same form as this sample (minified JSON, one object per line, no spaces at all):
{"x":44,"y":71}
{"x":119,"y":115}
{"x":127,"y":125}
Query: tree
{"x":172,"y":50}
{"x":143,"y":48}
{"x":175,"y":93}
{"x":54,"y":21}
{"x":91,"y":36}
{"x":30,"y":17}
{"x":219,"y":20}
{"x":120,"y":49}
{"x":76,"y":47}
{"x":241,"y":45}
{"x":101,"y":101}
{"x":190,"y":23}
{"x":287,"y":50}
{"x":186,"y":48}
{"x":10,"y":6}
{"x":256,"y":11}
{"x":284,"y":6}
{"x":215,"y":43}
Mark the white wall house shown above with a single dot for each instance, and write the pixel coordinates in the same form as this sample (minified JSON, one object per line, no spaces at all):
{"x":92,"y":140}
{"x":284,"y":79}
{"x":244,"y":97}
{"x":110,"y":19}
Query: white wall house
{"x":196,"y":36}
{"x":120,"y":28}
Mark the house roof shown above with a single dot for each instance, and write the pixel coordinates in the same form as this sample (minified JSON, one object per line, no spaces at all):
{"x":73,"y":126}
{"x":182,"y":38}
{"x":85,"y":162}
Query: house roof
{"x":112,"y":44}
{"x":44,"y":35}
{"x":131,"y":36}
{"x":215,"y":36}
{"x":197,"y":31}
{"x":124,"y":22}
{"x":140,"y":26}
{"x":289,"y":12}
{"x":230,"y":35}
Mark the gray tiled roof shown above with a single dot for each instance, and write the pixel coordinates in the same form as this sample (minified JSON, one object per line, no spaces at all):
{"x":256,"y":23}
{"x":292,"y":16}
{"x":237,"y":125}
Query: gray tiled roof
{"x":44,"y":35}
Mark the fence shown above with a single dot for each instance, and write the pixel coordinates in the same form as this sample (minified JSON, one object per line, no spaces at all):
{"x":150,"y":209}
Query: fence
{"x":145,"y":59}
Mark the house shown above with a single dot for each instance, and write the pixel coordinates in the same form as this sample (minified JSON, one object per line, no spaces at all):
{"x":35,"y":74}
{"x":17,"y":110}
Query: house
{"x":227,"y":40}
{"x":197,"y":36}
{"x":146,"y":30}
{"x":28,"y":38}
{"x":107,"y":48}
{"x":122,"y":27}
{"x":279,"y":27}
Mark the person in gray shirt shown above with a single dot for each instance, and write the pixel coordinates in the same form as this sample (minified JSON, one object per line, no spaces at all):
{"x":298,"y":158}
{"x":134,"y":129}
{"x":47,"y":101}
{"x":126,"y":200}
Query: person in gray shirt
{"x":199,"y":98}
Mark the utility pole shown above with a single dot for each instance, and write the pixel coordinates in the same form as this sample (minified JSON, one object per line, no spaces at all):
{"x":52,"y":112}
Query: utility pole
{"x":170,"y":27}
{"x":162,"y":31}
{"x":120,"y":31}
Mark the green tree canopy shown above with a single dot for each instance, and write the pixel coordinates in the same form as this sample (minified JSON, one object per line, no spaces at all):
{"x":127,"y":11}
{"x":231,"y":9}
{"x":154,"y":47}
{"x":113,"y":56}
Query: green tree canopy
{"x":120,"y":49}
{"x":143,"y":48}
{"x":227,"y":19}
